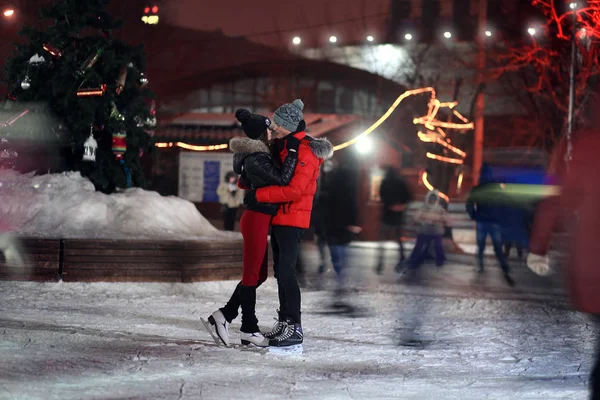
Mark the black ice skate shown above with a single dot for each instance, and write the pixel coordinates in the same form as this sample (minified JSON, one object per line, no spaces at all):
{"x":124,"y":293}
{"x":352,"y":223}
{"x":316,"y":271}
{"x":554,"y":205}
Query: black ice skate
{"x":277,"y":329}
{"x":291,"y":336}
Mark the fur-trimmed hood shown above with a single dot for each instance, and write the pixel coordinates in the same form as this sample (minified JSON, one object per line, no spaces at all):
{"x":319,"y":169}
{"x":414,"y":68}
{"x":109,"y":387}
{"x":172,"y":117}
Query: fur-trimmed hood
{"x":242,"y":147}
{"x":246,"y":145}
{"x":321,"y":148}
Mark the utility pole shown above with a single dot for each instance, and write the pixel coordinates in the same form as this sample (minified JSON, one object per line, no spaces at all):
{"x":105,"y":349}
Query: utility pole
{"x":479,"y":102}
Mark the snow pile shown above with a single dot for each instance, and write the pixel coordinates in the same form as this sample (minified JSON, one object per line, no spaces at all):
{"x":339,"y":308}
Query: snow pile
{"x":67,"y":206}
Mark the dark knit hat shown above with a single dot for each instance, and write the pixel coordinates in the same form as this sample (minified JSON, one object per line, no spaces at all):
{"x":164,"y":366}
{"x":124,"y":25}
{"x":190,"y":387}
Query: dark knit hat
{"x":254,"y":125}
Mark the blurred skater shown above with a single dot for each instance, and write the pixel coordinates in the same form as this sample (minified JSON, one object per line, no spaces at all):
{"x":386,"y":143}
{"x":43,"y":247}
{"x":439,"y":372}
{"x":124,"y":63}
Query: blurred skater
{"x":395,"y":196}
{"x":341,"y":227}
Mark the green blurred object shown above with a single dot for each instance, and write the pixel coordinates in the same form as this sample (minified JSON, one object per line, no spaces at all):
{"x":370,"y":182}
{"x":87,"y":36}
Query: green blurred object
{"x":516,"y":195}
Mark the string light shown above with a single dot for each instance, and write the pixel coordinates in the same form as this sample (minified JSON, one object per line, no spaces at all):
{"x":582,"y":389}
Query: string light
{"x":447,"y":35}
{"x":370,"y":38}
{"x":92,"y":92}
{"x":9,"y":13}
{"x":332,"y":39}
{"x":212,"y":147}
{"x":431,"y":138}
{"x":385,"y":116}
{"x":444,"y":159}
{"x":296,"y":40}
{"x":488,"y":33}
{"x":531,"y":31}
{"x":460,"y":181}
{"x":408,"y":36}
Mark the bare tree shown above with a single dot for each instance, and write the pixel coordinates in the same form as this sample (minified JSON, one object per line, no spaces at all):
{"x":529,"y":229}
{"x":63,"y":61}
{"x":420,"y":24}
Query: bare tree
{"x":537,"y":70}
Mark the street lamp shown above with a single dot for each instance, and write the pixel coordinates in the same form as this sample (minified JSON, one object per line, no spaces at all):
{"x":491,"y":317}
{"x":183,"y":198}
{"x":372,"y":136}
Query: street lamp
{"x":296,"y":40}
{"x":570,"y":116}
{"x":364,"y":145}
{"x":332,"y":39}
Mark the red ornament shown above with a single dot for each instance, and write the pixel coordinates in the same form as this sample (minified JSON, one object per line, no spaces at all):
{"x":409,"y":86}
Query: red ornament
{"x":119,"y":145}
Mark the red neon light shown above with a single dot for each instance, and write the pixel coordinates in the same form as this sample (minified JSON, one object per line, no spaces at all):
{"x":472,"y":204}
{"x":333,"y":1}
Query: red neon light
{"x":146,"y":10}
{"x":155,"y":9}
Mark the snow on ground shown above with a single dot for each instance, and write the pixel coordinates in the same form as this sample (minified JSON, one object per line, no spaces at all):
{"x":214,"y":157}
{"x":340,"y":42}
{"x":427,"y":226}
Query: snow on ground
{"x":145,"y":341}
{"x":67,"y":206}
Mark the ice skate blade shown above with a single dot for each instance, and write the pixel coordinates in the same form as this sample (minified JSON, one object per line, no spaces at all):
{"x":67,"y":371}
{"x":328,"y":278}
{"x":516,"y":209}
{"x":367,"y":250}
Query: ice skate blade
{"x":262,"y":345}
{"x":212,"y":333}
{"x":287,"y":350}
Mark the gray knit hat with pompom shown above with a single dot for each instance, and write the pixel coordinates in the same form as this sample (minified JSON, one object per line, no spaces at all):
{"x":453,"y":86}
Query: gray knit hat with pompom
{"x":289,"y":116}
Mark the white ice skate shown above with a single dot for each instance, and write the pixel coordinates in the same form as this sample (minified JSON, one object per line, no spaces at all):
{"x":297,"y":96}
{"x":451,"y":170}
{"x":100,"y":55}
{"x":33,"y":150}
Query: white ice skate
{"x":220,"y":325}
{"x":255,"y":338}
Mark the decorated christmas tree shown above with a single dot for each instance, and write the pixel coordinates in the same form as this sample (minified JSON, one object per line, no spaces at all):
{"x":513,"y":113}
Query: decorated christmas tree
{"x":94,"y":83}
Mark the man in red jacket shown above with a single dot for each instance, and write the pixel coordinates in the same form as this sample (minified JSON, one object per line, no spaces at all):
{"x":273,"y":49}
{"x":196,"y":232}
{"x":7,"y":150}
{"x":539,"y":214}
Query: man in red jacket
{"x":293,"y":216}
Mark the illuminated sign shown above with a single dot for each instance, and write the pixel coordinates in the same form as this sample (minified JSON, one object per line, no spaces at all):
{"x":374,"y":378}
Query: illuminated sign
{"x":150,"y":16}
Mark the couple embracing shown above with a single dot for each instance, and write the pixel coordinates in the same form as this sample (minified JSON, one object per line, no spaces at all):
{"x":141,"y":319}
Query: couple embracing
{"x":278,"y":165}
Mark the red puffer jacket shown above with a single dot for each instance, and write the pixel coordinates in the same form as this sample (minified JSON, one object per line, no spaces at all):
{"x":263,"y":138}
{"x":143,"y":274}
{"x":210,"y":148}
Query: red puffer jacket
{"x":297,"y":197}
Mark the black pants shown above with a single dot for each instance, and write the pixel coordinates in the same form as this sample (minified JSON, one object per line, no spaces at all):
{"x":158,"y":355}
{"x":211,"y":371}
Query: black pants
{"x":244,"y":297}
{"x":229,"y":217}
{"x":595,"y":376}
{"x":385,"y":233}
{"x":285,"y":241}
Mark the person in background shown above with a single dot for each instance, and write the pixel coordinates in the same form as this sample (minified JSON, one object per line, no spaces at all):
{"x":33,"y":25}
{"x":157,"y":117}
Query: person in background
{"x":231,"y":198}
{"x":508,"y":245}
{"x":488,"y":216}
{"x":341,"y":226}
{"x":395,"y":196}
{"x":575,"y":208}
{"x":431,"y":221}
{"x":319,"y":215}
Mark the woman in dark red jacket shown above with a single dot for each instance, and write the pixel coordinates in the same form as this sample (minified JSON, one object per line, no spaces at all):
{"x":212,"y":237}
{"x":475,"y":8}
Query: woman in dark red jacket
{"x":252,"y":160}
{"x":577,"y":208}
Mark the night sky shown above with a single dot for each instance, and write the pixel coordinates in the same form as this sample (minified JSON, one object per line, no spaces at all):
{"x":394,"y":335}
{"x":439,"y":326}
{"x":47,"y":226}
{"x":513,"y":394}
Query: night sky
{"x":243,"y":17}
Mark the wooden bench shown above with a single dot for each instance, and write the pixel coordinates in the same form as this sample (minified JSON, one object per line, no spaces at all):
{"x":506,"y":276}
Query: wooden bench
{"x":42,"y":261}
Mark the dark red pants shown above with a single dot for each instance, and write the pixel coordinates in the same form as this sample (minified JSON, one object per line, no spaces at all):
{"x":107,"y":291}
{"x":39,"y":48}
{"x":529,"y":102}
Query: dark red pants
{"x":255,"y":230}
